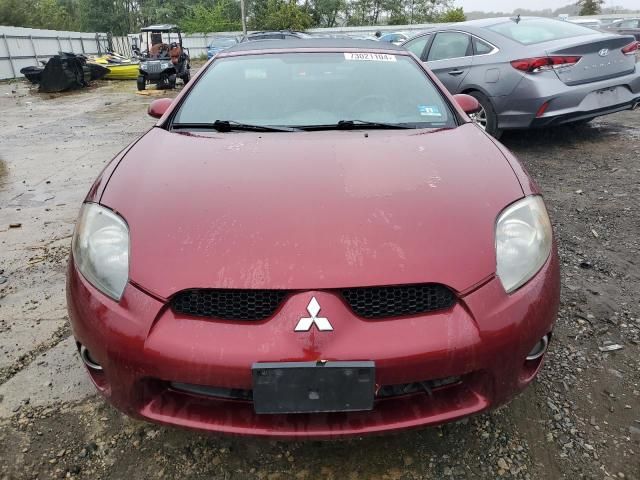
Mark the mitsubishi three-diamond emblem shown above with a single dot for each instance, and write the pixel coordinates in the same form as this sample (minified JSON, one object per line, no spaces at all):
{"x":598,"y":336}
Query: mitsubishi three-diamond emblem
{"x":305,"y":323}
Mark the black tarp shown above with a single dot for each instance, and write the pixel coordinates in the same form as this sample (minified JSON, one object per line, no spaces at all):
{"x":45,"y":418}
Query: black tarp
{"x":65,"y":71}
{"x":97,"y":71}
{"x":32,"y":74}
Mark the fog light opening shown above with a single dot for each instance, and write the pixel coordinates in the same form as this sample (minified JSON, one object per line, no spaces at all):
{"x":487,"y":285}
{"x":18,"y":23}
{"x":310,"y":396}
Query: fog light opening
{"x":88,"y":361}
{"x":539,"y":348}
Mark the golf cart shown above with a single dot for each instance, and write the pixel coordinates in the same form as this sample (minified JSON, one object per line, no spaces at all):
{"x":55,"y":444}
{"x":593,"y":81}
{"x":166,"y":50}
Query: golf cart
{"x":162,"y":63}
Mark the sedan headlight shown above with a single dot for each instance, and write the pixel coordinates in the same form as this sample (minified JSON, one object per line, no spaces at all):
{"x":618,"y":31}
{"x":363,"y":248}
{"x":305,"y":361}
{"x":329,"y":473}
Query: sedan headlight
{"x":101,"y":249}
{"x":523,"y":241}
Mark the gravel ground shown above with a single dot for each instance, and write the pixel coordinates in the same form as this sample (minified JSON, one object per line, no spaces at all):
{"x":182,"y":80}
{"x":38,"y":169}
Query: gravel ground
{"x":580,"y":419}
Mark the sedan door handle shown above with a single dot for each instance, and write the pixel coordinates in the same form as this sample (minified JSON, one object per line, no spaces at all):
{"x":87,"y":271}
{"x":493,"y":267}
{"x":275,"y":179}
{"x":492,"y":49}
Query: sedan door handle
{"x":455,"y":72}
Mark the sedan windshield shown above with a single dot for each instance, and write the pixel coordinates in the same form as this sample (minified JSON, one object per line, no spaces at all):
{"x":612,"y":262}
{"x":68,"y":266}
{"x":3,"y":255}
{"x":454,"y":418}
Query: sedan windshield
{"x":316,"y":90}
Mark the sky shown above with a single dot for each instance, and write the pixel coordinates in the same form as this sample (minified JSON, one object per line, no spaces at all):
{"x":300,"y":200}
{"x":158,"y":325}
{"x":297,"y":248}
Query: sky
{"x":509,"y":5}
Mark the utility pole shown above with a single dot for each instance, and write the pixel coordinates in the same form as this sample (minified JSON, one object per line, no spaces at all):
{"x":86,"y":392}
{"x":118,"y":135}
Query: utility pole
{"x":244,"y":20}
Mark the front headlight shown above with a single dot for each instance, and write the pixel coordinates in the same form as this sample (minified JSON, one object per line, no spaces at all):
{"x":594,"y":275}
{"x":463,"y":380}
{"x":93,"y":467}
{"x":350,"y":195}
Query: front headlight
{"x":101,"y":249}
{"x":165,"y":65}
{"x":523,"y":241}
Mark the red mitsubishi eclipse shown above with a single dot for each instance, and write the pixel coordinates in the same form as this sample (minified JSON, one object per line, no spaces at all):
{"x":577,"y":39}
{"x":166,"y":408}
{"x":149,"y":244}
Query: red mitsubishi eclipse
{"x":313,"y":241}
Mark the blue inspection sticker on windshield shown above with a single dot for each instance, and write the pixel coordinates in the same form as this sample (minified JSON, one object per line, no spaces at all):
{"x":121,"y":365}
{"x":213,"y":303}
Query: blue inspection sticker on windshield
{"x":429,"y":111}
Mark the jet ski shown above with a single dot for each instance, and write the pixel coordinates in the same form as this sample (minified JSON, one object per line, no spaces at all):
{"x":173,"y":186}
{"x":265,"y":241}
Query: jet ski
{"x":120,"y":68}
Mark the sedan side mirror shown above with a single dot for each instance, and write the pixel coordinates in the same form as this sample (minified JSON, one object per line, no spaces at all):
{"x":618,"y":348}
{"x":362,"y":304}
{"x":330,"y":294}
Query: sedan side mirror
{"x":467,"y":103}
{"x":159,"y":106}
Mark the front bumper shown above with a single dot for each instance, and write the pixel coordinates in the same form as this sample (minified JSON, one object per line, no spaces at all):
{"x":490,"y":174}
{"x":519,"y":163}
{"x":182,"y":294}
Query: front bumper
{"x":156,"y":75}
{"x":144,"y":347}
{"x":564,"y":103}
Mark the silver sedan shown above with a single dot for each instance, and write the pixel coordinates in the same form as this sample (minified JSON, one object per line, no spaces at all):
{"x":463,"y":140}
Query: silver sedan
{"x":533,"y":72}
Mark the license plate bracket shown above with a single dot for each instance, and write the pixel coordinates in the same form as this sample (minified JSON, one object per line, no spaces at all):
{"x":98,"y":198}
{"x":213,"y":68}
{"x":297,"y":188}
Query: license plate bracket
{"x":313,"y":387}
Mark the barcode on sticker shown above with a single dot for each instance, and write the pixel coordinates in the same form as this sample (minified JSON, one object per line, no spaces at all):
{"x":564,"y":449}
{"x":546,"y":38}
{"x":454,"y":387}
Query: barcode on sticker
{"x":371,"y":57}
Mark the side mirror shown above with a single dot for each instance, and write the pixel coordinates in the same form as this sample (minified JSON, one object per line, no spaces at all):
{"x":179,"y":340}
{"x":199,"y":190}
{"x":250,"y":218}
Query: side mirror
{"x":159,"y":106}
{"x":467,"y":103}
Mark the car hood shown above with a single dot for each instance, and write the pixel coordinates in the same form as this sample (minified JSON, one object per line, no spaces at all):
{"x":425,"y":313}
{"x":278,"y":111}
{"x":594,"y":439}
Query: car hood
{"x":311,"y":210}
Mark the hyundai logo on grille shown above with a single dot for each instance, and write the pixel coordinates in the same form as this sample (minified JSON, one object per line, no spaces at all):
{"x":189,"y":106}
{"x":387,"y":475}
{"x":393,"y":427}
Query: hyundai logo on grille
{"x":604,"y":52}
{"x":305,"y":323}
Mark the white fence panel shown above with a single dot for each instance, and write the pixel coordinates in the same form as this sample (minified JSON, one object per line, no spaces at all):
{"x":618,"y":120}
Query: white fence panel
{"x":197,"y":43}
{"x":23,"y":47}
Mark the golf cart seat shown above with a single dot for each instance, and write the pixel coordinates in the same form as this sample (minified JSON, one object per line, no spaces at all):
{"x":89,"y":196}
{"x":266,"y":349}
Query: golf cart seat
{"x":175,"y":52}
{"x":159,"y":50}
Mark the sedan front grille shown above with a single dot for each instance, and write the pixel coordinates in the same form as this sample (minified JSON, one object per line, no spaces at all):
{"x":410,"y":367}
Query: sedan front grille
{"x":365,"y":302}
{"x":228,"y":304}
{"x":384,"y":391}
{"x":427,"y":386}
{"x":398,"y":301}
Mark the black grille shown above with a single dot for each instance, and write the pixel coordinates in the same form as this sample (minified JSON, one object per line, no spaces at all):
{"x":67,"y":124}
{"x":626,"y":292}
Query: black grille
{"x":366,"y":302}
{"x":229,"y":304}
{"x":397,"y":301}
{"x":154,"y":67}
{"x":428,"y":386}
{"x":385,"y":391}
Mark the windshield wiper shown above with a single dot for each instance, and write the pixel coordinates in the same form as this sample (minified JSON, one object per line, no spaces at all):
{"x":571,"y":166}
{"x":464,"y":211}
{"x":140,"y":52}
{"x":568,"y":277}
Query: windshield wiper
{"x":229,"y":125}
{"x":355,"y":124}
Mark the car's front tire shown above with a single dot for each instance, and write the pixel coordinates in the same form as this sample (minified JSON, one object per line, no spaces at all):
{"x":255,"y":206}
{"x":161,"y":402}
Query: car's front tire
{"x":486,"y":117}
{"x":142,"y":84}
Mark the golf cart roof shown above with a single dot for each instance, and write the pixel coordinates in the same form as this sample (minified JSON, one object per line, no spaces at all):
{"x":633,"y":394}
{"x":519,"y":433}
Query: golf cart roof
{"x":161,"y":28}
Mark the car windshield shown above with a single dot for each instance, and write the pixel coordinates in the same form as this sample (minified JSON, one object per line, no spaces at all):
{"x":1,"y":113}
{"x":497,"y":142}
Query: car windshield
{"x":222,"y":42}
{"x":537,"y":30}
{"x":316,"y":89}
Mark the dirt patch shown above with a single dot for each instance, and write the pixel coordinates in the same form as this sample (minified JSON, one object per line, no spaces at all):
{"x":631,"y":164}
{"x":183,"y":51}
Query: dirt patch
{"x":59,"y":335}
{"x":91,"y":440}
{"x":591,"y":180}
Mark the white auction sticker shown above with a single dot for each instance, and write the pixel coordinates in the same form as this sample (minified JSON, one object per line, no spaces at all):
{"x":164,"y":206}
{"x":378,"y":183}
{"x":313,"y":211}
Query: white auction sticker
{"x":371,"y":57}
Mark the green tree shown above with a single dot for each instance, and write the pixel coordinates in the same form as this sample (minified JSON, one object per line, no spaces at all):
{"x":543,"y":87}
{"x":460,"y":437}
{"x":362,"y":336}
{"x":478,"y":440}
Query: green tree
{"x":400,"y":12}
{"x":358,"y":12}
{"x":48,"y":14}
{"x":325,"y":13}
{"x":453,"y":15}
{"x":280,"y":15}
{"x":107,"y":16}
{"x":15,"y":13}
{"x":169,"y":11}
{"x":590,"y":7}
{"x":223,"y":17}
{"x":121,"y":17}
{"x":426,"y":11}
